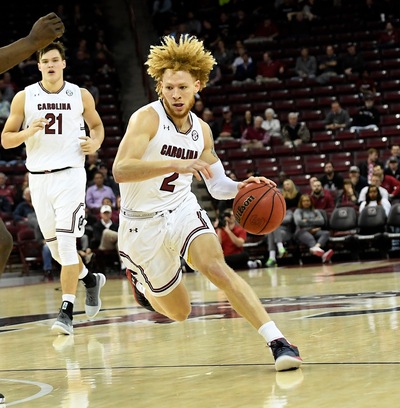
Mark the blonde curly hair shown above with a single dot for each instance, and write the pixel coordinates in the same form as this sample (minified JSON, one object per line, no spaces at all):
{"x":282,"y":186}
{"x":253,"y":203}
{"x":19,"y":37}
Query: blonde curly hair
{"x":188,"y":54}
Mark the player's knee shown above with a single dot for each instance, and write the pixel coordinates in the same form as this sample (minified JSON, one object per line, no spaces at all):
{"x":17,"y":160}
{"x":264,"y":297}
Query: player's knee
{"x":182,"y":314}
{"x":218,"y":273}
{"x":67,"y":250}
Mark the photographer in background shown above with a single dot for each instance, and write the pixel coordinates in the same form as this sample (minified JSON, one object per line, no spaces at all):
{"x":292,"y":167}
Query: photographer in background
{"x":232,"y":238}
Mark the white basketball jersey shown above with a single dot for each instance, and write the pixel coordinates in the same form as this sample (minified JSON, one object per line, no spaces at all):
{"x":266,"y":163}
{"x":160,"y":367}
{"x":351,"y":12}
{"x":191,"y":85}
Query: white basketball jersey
{"x":57,"y":145}
{"x":165,"y":192}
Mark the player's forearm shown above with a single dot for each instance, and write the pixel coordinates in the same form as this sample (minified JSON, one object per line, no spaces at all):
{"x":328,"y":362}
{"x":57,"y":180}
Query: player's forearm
{"x":14,"y":139}
{"x":97,"y":134}
{"x":12,"y":54}
{"x":133,"y":170}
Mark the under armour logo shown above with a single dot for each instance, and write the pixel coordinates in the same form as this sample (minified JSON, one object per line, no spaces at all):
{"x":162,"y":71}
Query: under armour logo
{"x":166,"y":127}
{"x":133,"y":230}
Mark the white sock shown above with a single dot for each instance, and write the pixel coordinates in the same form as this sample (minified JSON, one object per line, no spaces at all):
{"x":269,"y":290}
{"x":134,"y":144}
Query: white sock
{"x":83,"y":273}
{"x":279,"y":245}
{"x":270,"y":332}
{"x":272,"y":255}
{"x":68,"y":298}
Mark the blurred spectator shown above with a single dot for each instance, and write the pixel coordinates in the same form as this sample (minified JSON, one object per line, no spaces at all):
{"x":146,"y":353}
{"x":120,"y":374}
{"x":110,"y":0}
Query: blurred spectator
{"x":4,"y":109}
{"x":247,"y":121}
{"x":24,"y":208}
{"x":267,"y":30}
{"x":366,"y":85}
{"x":91,"y":166}
{"x":291,"y":194}
{"x":390,"y":37}
{"x":366,"y":167}
{"x":309,"y":228}
{"x":306,"y":64}
{"x":255,"y":136}
{"x":224,"y":56}
{"x":299,"y":27}
{"x":389,"y":183}
{"x":5,"y":189}
{"x":8,"y":87}
{"x":337,"y":118}
{"x":271,"y":123}
{"x":358,"y":181}
{"x":373,"y":198}
{"x":282,"y":176}
{"x":5,"y":205}
{"x":198,"y":107}
{"x":375,"y":181}
{"x":96,"y":192}
{"x":105,"y":231}
{"x":349,"y":196}
{"x":327,"y":65}
{"x":161,"y":13}
{"x":394,"y":152}
{"x":295,"y":133}
{"x":227,"y":126}
{"x":245,"y":72}
{"x":232,"y":238}
{"x":392,"y":167}
{"x":269,"y":70}
{"x":311,"y":10}
{"x":276,"y":239}
{"x":238,"y":60}
{"x":242,"y":24}
{"x":331,"y":180}
{"x":109,"y":179}
{"x":19,"y":189}
{"x":215,"y":76}
{"x":93,"y":89}
{"x":321,"y":198}
{"x":193,"y":24}
{"x":208,"y":117}
{"x":352,"y":62}
{"x":367,"y":117}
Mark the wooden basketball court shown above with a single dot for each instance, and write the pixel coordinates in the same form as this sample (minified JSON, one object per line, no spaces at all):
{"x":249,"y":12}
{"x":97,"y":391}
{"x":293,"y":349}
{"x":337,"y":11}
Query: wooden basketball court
{"x":343,"y":317}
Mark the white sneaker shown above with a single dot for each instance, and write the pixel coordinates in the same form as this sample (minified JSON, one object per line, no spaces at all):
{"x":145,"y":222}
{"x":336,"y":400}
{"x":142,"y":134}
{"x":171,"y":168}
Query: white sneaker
{"x":254,"y":264}
{"x":316,"y":250}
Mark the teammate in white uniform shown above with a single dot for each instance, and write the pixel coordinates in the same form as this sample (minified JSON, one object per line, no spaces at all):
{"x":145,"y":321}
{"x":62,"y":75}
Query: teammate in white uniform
{"x":164,"y":146}
{"x":52,"y":114}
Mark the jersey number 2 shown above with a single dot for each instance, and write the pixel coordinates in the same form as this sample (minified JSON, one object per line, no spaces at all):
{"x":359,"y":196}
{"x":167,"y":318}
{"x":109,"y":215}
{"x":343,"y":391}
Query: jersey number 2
{"x":166,"y":184}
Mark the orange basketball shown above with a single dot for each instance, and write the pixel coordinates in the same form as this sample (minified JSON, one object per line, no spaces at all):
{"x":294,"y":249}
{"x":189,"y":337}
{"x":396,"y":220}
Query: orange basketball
{"x":259,"y":208}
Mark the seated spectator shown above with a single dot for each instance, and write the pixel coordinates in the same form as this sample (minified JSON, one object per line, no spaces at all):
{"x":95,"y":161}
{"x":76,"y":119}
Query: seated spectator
{"x":348,"y":196}
{"x":291,"y":194}
{"x":366,"y":85}
{"x":271,"y":123}
{"x":208,"y":117}
{"x":96,"y":192}
{"x":224,"y":57}
{"x":352,"y":62}
{"x":375,"y":181}
{"x":358,"y":181}
{"x":389,"y":183}
{"x":392,"y":168}
{"x":245,"y":72}
{"x":373,"y":198}
{"x":311,"y":10}
{"x":295,"y":133}
{"x":4,"y":109}
{"x":5,"y":205}
{"x":109,"y":179}
{"x":115,"y":210}
{"x":5,"y":189}
{"x":276,"y":239}
{"x":367,"y":117}
{"x":92,"y":88}
{"x":91,"y":166}
{"x":309,"y":228}
{"x":247,"y":121}
{"x":227,"y":126}
{"x":232,"y":238}
{"x":238,"y":60}
{"x":269,"y":70}
{"x":255,"y":136}
{"x":327,"y":65}
{"x":24,"y":208}
{"x":215,"y":76}
{"x":306,"y":64}
{"x":390,"y":37}
{"x":366,"y":167}
{"x":394,"y":152}
{"x":337,"y":118}
{"x":8,"y":87}
{"x":331,"y":180}
{"x":321,"y":198}
{"x":267,"y":30}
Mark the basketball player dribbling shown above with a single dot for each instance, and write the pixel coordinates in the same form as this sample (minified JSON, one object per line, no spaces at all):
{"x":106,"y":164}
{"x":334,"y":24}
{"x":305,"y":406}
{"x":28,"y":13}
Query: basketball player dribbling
{"x":164,"y":146}
{"x":52,"y":114}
